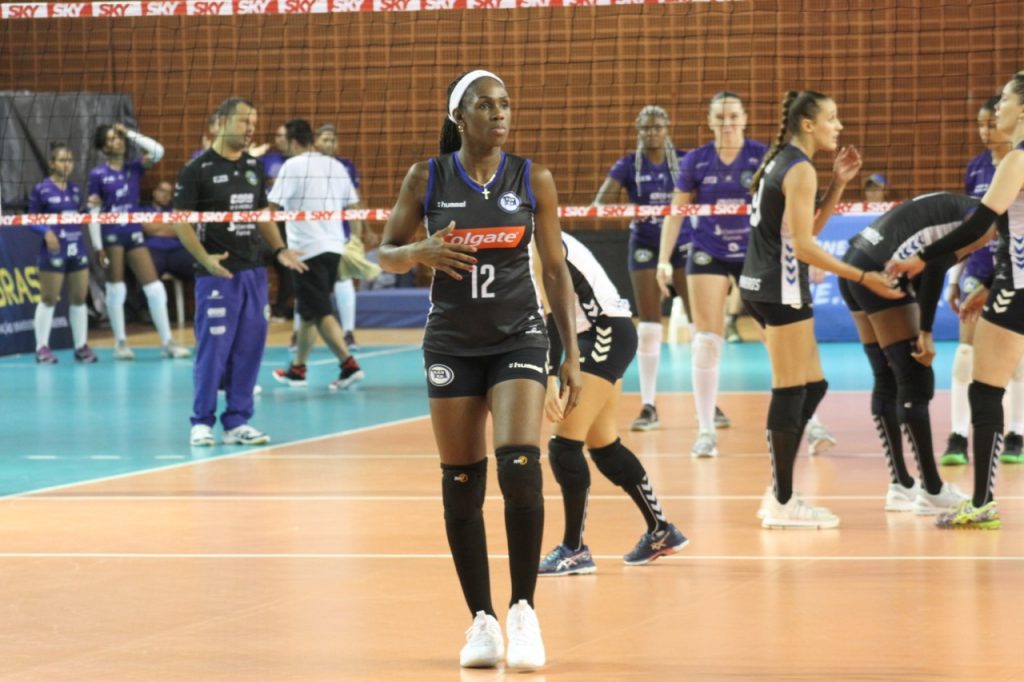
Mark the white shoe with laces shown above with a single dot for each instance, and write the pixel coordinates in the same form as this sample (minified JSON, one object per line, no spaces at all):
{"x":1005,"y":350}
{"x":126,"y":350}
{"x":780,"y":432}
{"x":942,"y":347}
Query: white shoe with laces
{"x":525,"y":646}
{"x":706,"y":445}
{"x":245,"y":435}
{"x":769,"y":497}
{"x":123,"y":352}
{"x":173,"y":350}
{"x":927,"y":504}
{"x":484,"y":644}
{"x":900,"y":498}
{"x":201,"y":436}
{"x":797,"y":514}
{"x":818,"y":438}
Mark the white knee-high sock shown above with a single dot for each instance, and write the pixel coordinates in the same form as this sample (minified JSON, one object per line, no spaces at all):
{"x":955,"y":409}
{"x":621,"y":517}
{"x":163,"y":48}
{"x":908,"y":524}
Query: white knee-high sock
{"x":296,"y":320}
{"x":43,"y":324}
{"x":117,"y":294}
{"x":1016,"y":392}
{"x":648,"y":357}
{"x":78,"y":318}
{"x":960,"y":408}
{"x":345,"y":297}
{"x":156,"y":297}
{"x":706,"y":350}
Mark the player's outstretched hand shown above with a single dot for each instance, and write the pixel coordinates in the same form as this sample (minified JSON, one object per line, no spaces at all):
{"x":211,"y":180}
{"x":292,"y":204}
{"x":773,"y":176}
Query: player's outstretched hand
{"x":441,"y":254}
{"x":883,"y":285}
{"x":212,"y":264}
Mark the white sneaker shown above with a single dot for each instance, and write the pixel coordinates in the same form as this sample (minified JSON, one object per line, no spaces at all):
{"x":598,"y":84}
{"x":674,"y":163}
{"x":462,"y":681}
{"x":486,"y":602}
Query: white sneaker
{"x":927,"y":504}
{"x":706,"y":445}
{"x":201,"y":436}
{"x":818,"y":438}
{"x":900,"y":498}
{"x":484,"y":644}
{"x":769,"y":497}
{"x":245,"y":435}
{"x":122,"y":351}
{"x":797,"y":514}
{"x":525,"y":646}
{"x":173,"y":350}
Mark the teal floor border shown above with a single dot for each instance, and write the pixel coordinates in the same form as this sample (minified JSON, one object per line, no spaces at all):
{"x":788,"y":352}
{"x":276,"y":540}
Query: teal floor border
{"x":69,"y":423}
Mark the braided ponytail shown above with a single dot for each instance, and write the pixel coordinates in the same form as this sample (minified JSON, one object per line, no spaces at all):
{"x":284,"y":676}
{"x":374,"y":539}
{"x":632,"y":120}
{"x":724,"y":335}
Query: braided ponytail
{"x":780,"y":138}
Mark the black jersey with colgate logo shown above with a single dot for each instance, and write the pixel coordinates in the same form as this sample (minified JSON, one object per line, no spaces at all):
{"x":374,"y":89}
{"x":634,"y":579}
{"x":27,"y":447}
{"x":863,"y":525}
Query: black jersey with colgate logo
{"x":496,"y":307}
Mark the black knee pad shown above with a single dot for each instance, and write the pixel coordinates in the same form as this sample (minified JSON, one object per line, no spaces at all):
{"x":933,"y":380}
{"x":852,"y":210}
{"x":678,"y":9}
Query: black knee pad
{"x":462,"y":490}
{"x":814,"y":393}
{"x":883,"y":392}
{"x":786,"y":409}
{"x":915,"y":383}
{"x":568,"y":463}
{"x":618,"y":464}
{"x":908,"y":412}
{"x":519,"y":476}
{"x":986,"y":405}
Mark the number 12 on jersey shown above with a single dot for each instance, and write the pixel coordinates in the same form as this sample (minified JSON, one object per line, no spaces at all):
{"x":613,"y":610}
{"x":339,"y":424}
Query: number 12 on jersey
{"x":481,"y":279}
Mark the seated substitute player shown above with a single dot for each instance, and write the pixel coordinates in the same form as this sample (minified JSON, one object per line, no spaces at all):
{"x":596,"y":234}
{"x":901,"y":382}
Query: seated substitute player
{"x":897,"y":338}
{"x":608,"y":343}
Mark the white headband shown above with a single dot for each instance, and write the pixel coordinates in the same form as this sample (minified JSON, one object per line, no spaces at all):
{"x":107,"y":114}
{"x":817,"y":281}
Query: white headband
{"x":462,"y":86}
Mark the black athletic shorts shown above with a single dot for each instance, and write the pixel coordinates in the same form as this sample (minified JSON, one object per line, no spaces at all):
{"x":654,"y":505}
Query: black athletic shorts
{"x":777,"y":314}
{"x":703,"y":263}
{"x":313,"y":288}
{"x":453,"y":376}
{"x":608,"y":347}
{"x":858,"y":297}
{"x":1005,"y":307}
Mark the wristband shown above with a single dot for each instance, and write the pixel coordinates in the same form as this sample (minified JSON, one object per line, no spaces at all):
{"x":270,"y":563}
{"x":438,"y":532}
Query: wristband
{"x":153,"y":149}
{"x":95,"y":234}
{"x":277,"y":251}
{"x":862,"y":273}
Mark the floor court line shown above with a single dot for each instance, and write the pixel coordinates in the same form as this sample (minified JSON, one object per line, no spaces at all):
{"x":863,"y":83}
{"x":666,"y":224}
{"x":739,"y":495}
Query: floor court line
{"x":333,"y":361}
{"x":681,"y":557}
{"x":413,"y":498}
{"x":214,"y":458}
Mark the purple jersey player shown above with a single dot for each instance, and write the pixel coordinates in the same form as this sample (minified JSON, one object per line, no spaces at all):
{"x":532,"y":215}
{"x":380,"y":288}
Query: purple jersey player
{"x":969,"y":279}
{"x":114,"y":187}
{"x":718,"y":173}
{"x":648,"y":176}
{"x":62,"y":252}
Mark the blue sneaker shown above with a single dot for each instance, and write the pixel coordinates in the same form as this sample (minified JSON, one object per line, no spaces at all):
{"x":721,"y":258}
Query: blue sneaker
{"x":656,"y":544}
{"x":565,"y":561}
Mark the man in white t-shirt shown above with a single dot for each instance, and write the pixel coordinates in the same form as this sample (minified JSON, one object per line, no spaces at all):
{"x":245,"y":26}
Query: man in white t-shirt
{"x":310,"y":181}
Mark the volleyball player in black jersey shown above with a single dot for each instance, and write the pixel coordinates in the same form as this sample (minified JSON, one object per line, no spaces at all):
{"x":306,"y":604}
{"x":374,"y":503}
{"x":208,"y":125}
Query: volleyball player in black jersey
{"x":485,"y":346}
{"x":608,"y":343}
{"x":775,"y":287}
{"x":999,"y":337}
{"x":897,"y":338}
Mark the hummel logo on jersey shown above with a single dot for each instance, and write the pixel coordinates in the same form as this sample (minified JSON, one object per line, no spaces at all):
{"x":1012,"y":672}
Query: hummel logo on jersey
{"x":488,"y":237}
{"x":525,"y":365}
{"x":451,"y":204}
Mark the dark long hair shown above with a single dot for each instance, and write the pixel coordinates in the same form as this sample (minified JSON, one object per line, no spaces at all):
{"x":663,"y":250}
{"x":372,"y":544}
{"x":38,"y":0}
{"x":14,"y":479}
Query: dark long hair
{"x":796,"y":106}
{"x":451,"y":140}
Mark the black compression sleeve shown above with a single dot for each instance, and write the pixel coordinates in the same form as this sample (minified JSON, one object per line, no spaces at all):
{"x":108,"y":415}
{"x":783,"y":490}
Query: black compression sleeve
{"x":969,"y":231}
{"x":554,"y":347}
{"x":929,"y":289}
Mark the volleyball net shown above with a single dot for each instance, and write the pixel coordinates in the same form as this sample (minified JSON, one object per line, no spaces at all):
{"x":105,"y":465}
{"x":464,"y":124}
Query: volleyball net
{"x":908,"y":78}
